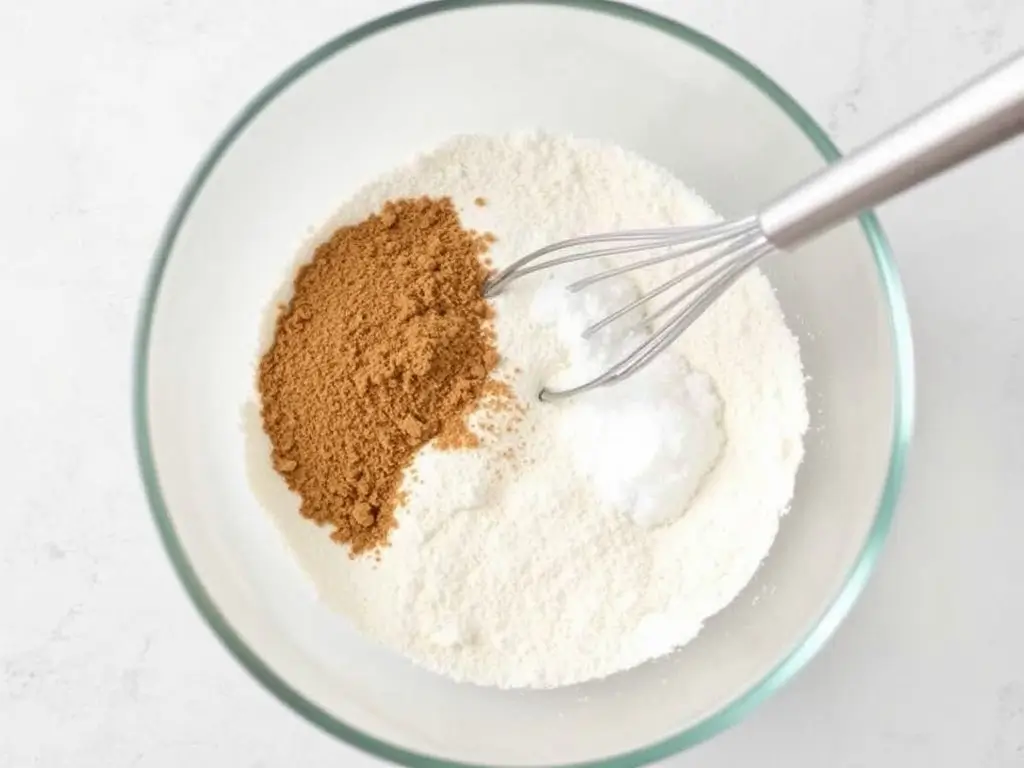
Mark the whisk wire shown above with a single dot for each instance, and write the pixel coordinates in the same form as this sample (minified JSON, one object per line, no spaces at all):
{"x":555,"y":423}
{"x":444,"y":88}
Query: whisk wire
{"x":732,"y":247}
{"x":692,"y":245}
{"x":687,"y":274}
{"x":649,"y":239}
{"x":703,"y":294}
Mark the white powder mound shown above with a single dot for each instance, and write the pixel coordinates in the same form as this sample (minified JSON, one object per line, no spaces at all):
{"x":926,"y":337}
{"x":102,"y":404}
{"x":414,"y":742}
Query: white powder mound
{"x":646,"y":443}
{"x":600,"y":531}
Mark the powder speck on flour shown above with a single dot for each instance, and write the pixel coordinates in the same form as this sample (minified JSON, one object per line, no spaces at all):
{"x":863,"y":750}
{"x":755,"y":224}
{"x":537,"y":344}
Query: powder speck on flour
{"x":582,"y":537}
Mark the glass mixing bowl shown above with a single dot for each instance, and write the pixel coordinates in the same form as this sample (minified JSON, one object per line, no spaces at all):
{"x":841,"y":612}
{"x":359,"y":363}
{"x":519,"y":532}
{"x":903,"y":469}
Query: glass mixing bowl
{"x":361,"y":104}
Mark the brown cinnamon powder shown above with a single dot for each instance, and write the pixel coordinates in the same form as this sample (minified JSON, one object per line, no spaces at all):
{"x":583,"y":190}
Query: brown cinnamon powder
{"x":385,"y":346}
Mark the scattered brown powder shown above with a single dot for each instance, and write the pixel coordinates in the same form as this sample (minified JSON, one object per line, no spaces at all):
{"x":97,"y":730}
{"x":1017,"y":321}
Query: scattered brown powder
{"x":385,"y":346}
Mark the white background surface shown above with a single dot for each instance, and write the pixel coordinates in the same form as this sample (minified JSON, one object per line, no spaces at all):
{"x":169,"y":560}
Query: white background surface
{"x":106,"y":106}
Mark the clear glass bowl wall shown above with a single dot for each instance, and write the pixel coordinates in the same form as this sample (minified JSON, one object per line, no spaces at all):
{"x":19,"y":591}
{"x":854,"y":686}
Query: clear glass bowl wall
{"x":358,"y":106}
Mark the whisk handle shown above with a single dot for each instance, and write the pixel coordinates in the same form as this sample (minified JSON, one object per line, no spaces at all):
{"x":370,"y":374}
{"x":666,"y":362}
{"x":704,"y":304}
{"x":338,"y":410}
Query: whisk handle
{"x":982,"y":114}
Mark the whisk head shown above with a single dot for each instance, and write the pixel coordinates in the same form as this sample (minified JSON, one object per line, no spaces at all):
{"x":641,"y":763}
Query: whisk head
{"x":720,"y":253}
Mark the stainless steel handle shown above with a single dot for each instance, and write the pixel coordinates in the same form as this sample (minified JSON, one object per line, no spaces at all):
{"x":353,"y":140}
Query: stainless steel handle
{"x":985,"y":112}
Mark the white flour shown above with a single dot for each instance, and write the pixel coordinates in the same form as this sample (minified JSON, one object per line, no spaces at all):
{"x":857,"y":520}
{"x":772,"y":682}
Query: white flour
{"x":602,"y":530}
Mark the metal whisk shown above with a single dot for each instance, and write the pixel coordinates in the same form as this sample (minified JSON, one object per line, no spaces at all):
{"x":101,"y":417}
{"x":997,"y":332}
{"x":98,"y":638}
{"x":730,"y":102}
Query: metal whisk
{"x":981,"y":114}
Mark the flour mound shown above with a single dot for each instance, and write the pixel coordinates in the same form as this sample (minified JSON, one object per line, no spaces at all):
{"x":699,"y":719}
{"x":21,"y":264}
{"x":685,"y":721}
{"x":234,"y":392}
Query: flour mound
{"x":581,"y":538}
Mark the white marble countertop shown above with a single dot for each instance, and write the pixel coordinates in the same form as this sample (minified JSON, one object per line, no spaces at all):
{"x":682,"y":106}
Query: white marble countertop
{"x":106,"y":106}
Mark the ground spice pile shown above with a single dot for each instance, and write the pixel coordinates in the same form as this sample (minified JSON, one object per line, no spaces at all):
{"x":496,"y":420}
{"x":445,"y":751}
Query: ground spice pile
{"x":385,"y":346}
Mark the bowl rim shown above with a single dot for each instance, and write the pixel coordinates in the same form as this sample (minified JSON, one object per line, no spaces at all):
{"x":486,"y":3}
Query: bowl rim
{"x":903,"y":386}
